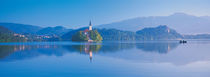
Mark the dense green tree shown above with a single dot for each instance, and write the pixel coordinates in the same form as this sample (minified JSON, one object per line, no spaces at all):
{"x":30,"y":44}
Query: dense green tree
{"x":81,"y":36}
{"x":116,"y":35}
{"x":95,"y":36}
{"x":8,"y":36}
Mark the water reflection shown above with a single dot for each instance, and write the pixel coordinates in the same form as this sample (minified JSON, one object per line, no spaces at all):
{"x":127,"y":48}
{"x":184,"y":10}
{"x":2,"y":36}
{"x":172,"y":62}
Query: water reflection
{"x":86,"y":49}
{"x":158,"y":59}
{"x":161,"y":48}
{"x":20,"y":52}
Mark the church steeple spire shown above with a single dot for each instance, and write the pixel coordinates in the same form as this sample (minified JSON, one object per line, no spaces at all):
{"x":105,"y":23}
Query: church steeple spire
{"x":90,"y":25}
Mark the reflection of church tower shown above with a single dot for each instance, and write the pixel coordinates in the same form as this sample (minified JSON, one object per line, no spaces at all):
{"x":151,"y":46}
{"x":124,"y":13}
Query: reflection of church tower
{"x":90,"y":29}
{"x":88,"y":51}
{"x":90,"y":55}
{"x":90,"y":26}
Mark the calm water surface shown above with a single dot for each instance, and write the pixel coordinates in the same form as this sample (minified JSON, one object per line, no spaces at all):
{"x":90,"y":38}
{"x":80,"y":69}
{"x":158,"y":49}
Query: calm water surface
{"x":107,"y":59}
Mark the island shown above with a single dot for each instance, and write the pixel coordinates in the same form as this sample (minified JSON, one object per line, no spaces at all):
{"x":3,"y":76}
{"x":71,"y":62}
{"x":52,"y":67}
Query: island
{"x":88,"y":35}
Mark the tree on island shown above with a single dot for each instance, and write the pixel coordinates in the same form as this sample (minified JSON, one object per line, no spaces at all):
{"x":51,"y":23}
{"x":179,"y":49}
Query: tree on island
{"x":87,"y":35}
{"x":95,"y":36}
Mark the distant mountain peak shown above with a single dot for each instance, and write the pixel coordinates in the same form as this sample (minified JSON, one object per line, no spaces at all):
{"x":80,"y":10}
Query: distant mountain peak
{"x":59,"y":26}
{"x":162,"y":26}
{"x":181,"y":22}
{"x":181,"y":14}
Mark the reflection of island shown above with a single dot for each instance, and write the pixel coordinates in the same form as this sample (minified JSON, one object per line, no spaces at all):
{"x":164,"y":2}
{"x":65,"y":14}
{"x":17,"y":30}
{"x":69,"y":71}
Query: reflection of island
{"x":157,"y":47}
{"x":87,"y":48}
{"x":100,"y":48}
{"x":128,"y":51}
{"x":18,"y":52}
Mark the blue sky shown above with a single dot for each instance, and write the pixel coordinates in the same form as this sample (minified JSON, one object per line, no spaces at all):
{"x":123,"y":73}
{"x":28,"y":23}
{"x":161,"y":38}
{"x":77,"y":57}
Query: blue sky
{"x":77,"y":13}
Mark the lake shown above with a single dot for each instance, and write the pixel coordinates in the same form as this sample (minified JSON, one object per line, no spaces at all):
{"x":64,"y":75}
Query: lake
{"x":105,"y":59}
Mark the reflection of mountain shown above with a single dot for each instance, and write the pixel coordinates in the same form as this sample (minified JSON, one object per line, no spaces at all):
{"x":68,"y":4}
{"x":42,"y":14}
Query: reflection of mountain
{"x":138,"y":52}
{"x":9,"y":50}
{"x":19,"y":52}
{"x":6,"y":51}
{"x":156,"y":47}
{"x":113,"y":47}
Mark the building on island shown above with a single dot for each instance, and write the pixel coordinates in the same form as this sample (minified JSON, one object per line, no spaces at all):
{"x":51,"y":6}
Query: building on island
{"x":86,"y":32}
{"x":90,"y":26}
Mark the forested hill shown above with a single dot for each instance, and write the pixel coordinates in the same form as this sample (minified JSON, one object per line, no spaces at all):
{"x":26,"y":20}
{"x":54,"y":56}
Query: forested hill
{"x":114,"y":34}
{"x":21,"y":28}
{"x":161,"y":32}
{"x":7,"y":35}
{"x":36,"y":33}
{"x":35,"y":30}
{"x":5,"y":30}
{"x":156,"y":33}
{"x":58,"y":31}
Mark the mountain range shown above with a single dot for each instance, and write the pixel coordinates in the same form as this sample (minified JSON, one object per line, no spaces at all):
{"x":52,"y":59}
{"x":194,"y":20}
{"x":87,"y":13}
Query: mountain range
{"x":179,"y":26}
{"x":21,"y":28}
{"x":161,"y":32}
{"x":181,"y":22}
{"x":37,"y":30}
{"x":58,"y":30}
{"x":7,"y":35}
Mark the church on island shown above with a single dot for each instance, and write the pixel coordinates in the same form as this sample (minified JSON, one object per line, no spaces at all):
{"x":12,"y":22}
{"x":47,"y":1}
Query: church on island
{"x":87,"y":34}
{"x":86,"y":31}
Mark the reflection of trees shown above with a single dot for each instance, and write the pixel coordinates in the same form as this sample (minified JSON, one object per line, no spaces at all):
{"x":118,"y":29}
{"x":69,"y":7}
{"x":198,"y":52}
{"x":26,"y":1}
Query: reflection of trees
{"x":5,"y":51}
{"x":157,"y":47}
{"x":112,"y":47}
{"x":27,"y":51}
{"x":86,"y":47}
{"x":14,"y":52}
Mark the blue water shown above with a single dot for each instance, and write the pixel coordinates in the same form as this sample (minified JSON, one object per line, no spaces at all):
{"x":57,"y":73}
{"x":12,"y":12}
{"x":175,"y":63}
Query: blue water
{"x":105,"y":59}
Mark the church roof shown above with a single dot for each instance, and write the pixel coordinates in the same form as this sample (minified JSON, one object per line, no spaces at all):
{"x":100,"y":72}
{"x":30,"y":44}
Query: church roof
{"x":90,"y":24}
{"x":86,"y":30}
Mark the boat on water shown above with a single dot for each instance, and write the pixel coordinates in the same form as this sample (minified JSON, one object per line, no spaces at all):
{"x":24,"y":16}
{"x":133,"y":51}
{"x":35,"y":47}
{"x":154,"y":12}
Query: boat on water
{"x":182,"y":41}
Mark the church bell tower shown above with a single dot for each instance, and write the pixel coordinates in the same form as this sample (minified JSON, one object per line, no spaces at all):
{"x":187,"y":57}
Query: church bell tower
{"x":90,"y":26}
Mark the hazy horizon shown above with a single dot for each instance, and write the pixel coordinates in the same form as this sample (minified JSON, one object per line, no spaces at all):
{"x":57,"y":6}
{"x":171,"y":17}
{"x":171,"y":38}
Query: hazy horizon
{"x":77,"y":13}
{"x":87,"y":23}
{"x":104,"y":38}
